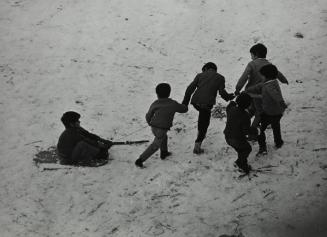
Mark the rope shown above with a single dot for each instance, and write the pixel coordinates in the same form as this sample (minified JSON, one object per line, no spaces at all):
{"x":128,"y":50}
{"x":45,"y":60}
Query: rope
{"x":126,"y":135}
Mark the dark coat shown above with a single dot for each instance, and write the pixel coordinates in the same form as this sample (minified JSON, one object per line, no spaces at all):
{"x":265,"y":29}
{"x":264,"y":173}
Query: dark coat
{"x":205,"y":87}
{"x":238,"y":122}
{"x":161,"y":113}
{"x":251,"y":75}
{"x":71,"y":136}
{"x":272,"y":99}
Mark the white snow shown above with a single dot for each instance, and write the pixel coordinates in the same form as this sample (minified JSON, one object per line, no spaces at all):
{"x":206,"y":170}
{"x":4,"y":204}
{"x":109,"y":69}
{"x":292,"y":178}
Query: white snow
{"x":103,"y":59}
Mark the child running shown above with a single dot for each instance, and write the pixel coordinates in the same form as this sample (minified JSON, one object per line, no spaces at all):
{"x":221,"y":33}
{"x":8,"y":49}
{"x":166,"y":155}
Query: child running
{"x":237,"y":127}
{"x":273,"y":106}
{"x":251,"y":76}
{"x":205,"y":87}
{"x":160,"y":117}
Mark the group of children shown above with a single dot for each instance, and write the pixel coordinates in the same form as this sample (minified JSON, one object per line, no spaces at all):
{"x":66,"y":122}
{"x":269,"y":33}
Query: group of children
{"x":262,"y":98}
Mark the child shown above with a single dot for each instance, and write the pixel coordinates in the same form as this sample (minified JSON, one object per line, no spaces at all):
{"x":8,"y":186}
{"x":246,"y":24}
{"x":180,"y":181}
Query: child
{"x":237,"y":127}
{"x":251,"y":76}
{"x":273,"y":106}
{"x":76,"y":146}
{"x":205,"y":87}
{"x":160,"y":117}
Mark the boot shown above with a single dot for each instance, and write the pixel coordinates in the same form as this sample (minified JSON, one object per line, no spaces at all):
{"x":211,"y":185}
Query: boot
{"x":164,"y":154}
{"x":139,"y":163}
{"x":197,"y":148}
{"x":279,"y":145}
{"x":261,"y":152}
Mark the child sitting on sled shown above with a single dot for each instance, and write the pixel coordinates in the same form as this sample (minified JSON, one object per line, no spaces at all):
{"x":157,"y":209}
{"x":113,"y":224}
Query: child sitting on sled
{"x":77,"y":146}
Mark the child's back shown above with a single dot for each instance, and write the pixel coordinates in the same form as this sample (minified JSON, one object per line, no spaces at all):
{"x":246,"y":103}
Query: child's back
{"x":238,"y":122}
{"x":162,"y":111}
{"x":208,"y":84}
{"x":272,"y":99}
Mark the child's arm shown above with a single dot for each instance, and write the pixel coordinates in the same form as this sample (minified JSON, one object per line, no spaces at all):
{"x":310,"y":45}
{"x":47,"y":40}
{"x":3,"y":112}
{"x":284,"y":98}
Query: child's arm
{"x":282,"y":78}
{"x":243,"y":79}
{"x":181,"y":108}
{"x":190,"y":90}
{"x":224,"y":94}
{"x":94,"y":139}
{"x":88,"y":135}
{"x":149,"y":114}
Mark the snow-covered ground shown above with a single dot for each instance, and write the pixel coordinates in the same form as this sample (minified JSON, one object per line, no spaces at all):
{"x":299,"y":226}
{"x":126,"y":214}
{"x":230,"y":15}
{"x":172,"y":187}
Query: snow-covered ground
{"x":103,"y":59}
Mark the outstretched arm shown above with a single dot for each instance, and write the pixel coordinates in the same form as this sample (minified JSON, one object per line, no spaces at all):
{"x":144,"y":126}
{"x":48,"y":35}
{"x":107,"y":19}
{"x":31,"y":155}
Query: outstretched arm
{"x":243,"y":79}
{"x":282,"y":78}
{"x":224,"y":94}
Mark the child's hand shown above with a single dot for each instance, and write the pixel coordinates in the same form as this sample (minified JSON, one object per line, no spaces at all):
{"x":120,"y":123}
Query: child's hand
{"x":105,"y":144}
{"x":230,"y":96}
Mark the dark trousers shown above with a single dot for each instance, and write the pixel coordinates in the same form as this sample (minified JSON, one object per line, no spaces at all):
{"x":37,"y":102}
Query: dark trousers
{"x":243,"y":149}
{"x":83,"y":154}
{"x":203,"y":120}
{"x":160,"y":142}
{"x":274,"y":120}
{"x":255,"y":110}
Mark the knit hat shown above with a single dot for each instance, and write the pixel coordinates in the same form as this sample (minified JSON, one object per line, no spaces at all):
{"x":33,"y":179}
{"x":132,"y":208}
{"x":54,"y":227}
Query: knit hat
{"x":70,"y":117}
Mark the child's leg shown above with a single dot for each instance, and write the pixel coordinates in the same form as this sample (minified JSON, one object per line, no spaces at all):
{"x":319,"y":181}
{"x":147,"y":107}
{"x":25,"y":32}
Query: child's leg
{"x":203,"y":124}
{"x":160,"y":137}
{"x":164,"y":143}
{"x":83,"y":153}
{"x":265,"y":121}
{"x":243,"y":149}
{"x":275,"y":125}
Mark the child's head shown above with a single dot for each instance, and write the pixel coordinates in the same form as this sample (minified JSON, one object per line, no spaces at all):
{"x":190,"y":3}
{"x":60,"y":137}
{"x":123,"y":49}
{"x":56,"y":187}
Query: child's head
{"x":269,"y":72}
{"x":243,"y":100}
{"x":163,"y":90}
{"x":208,"y":66}
{"x":258,"y":51}
{"x":70,"y":119}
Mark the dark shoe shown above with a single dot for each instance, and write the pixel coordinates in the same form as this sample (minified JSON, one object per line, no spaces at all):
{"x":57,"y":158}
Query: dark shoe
{"x":242,"y":167}
{"x":261,"y":153}
{"x":279,"y":145}
{"x":139,"y":163}
{"x":164,"y":154}
{"x":197,"y":148}
{"x":247,"y":169}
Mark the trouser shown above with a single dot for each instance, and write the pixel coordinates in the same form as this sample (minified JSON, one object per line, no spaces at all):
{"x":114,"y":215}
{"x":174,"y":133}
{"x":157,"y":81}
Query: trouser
{"x":160,"y":142}
{"x":243,"y":149}
{"x":255,"y":110}
{"x":203,"y":121}
{"x":84,"y":153}
{"x":274,"y":120}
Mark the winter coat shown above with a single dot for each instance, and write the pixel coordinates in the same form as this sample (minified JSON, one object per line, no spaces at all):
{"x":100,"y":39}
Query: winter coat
{"x":238,"y":122}
{"x":272,"y":99}
{"x":71,"y":136}
{"x":252,"y":76}
{"x":206,"y":85}
{"x":161,"y":113}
